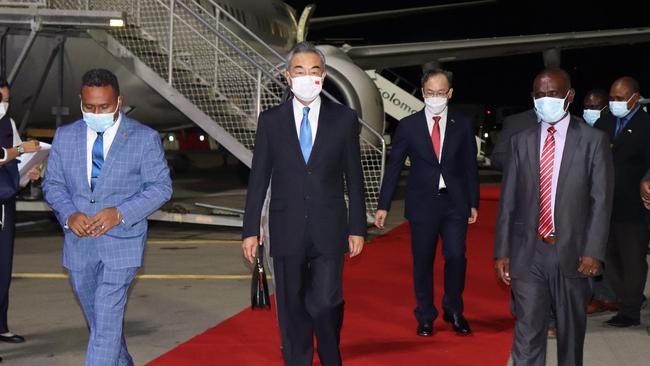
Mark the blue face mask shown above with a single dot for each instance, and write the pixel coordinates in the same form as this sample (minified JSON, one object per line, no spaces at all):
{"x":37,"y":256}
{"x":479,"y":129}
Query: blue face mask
{"x":620,"y":109}
{"x":100,"y":122}
{"x":591,"y":115}
{"x":549,"y":109}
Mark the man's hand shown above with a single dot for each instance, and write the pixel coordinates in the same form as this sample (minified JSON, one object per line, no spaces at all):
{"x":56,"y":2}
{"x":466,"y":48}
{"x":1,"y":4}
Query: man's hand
{"x":34,"y":174}
{"x":31,"y":146}
{"x":79,"y":223}
{"x":502,"y":266}
{"x":589,"y":266}
{"x":473,"y":216}
{"x":380,"y":218}
{"x":356,"y":245}
{"x":249,"y":246}
{"x":105,"y":220}
{"x":645,"y":193}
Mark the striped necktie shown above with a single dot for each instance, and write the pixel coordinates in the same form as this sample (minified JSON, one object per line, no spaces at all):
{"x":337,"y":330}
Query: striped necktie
{"x":546,"y":184}
{"x":98,"y":160}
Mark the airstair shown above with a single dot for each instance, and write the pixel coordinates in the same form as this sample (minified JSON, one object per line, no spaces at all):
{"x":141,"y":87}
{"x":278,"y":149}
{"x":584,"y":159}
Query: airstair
{"x":208,"y":65}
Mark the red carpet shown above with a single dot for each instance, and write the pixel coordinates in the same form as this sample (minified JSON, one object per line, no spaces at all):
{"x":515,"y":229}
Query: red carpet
{"x":379,"y":328}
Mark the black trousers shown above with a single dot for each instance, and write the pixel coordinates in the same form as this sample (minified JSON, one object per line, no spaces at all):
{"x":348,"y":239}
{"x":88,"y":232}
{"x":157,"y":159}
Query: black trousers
{"x":451,"y":227}
{"x":627,"y":266}
{"x":546,"y":287}
{"x":310,"y":302}
{"x":6,"y":261}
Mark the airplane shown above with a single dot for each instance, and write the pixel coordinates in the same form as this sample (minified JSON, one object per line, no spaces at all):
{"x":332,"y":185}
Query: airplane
{"x":281,"y":26}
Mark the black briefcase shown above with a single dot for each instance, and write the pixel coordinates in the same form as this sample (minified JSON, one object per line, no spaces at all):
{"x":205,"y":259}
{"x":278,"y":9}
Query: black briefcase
{"x":259,"y":285}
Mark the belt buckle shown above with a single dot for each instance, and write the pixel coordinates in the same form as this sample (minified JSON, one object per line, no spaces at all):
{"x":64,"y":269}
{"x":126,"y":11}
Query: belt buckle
{"x":550,"y":239}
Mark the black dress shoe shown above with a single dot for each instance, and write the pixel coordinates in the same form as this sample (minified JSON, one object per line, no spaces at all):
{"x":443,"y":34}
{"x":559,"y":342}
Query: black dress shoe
{"x":12,"y":339}
{"x":458,"y":322}
{"x":621,"y":321}
{"x":425,"y":329}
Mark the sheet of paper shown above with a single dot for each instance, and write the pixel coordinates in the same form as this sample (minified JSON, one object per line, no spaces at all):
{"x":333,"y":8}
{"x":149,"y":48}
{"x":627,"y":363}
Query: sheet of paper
{"x":30,"y":160}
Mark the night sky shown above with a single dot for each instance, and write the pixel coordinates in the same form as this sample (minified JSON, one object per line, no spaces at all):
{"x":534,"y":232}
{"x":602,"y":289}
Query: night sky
{"x":503,"y":81}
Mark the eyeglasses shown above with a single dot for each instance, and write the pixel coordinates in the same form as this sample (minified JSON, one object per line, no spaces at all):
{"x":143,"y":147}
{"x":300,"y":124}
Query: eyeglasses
{"x":439,"y":93}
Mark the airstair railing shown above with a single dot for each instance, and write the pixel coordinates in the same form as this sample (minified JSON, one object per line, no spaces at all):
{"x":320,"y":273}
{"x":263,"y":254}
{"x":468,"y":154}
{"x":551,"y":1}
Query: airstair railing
{"x":211,"y":58}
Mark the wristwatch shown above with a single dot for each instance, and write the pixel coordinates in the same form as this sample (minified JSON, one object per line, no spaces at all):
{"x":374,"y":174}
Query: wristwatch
{"x":21,"y":149}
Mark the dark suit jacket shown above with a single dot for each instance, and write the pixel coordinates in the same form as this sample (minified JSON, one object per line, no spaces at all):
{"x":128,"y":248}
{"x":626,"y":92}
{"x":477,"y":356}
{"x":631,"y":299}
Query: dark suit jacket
{"x":458,"y":166}
{"x":307,"y":198}
{"x":510,"y":126}
{"x":583,"y":199}
{"x":631,"y":151}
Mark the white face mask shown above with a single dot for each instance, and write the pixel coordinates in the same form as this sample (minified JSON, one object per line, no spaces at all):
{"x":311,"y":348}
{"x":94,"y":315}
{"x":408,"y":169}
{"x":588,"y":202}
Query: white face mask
{"x":435,"y":105}
{"x":591,"y":115}
{"x":308,"y":87}
{"x":620,"y":109}
{"x":549,"y":109}
{"x":100,"y":122}
{"x":4,"y":106}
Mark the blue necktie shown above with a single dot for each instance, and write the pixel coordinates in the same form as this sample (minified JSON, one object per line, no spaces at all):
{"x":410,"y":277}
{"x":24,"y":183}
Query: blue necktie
{"x":305,"y":135}
{"x":98,"y":160}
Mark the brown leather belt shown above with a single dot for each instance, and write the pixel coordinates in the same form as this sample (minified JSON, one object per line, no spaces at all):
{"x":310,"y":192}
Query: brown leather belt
{"x":548,"y":240}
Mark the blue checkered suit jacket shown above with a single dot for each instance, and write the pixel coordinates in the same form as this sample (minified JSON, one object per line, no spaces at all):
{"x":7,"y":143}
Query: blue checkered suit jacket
{"x":134,"y":178}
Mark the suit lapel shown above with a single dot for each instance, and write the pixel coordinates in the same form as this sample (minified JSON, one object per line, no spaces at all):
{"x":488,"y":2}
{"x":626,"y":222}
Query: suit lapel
{"x":626,"y":132}
{"x":289,"y":125}
{"x":533,"y":150}
{"x":323,"y":115}
{"x":82,"y":156}
{"x":121,"y":137}
{"x":571,"y":144}
{"x":425,"y":139}
{"x":450,"y":129}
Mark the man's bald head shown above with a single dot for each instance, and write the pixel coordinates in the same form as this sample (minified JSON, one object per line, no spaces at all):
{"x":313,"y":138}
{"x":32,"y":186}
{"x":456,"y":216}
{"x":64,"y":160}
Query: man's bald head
{"x":625,"y":89}
{"x":596,"y":99}
{"x":555,"y":73}
{"x":554,"y":83}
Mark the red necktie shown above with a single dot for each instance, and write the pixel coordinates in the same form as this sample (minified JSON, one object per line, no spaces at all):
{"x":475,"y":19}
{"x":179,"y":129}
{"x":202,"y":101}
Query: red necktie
{"x":435,"y":136}
{"x":546,"y":183}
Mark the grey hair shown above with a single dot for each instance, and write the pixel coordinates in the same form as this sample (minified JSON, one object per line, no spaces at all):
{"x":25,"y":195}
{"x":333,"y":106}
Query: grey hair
{"x":433,"y":72}
{"x":303,"y":47}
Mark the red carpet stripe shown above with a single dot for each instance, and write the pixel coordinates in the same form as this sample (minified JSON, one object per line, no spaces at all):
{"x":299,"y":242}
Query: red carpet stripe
{"x":379,"y":327}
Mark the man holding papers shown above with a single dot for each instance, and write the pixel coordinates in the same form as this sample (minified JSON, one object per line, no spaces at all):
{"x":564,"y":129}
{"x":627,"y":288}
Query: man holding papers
{"x":11,"y":147}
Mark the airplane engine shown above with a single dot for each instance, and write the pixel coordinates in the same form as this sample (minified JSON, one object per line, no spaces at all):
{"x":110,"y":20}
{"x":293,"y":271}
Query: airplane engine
{"x":349,"y":84}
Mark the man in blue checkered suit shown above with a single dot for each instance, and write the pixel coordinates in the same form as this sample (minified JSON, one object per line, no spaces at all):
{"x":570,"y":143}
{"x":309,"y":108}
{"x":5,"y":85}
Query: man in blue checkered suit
{"x":106,"y":173}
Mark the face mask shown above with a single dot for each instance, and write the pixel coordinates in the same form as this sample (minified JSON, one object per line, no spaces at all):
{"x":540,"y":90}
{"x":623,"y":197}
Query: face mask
{"x":307,"y":88}
{"x":591,"y":115}
{"x":100,"y":122}
{"x":619,"y":109}
{"x":435,"y":105}
{"x":4,"y":106}
{"x":549,"y":109}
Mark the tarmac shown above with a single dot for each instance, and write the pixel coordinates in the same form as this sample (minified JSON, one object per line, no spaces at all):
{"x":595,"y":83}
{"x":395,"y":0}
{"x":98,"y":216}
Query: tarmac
{"x":193,"y":278}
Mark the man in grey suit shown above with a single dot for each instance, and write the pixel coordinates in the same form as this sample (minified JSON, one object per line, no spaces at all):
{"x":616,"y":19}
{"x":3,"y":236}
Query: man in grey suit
{"x":547,"y":249}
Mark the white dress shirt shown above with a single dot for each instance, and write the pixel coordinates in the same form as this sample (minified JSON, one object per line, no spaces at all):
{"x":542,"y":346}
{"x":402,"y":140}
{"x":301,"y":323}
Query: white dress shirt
{"x":443,"y":127}
{"x":561,"y":128}
{"x":17,"y":140}
{"x":314,"y":112}
{"x":91,"y":136}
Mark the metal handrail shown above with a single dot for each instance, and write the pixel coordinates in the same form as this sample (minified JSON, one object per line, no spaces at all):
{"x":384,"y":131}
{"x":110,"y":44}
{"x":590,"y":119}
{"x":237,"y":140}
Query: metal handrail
{"x":252,"y":61}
